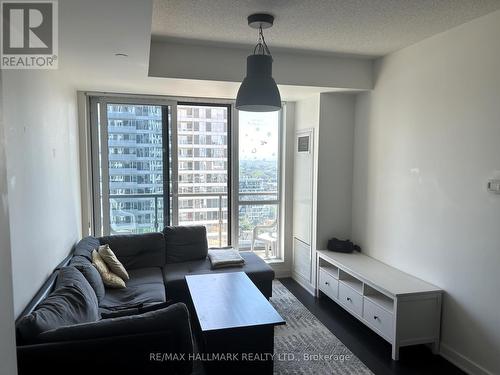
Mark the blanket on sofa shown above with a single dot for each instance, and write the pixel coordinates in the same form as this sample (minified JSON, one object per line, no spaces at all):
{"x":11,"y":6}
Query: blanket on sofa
{"x":225,"y":258}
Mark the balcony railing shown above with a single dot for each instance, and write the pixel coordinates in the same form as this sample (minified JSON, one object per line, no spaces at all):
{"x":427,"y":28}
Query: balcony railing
{"x":132,"y":213}
{"x":131,"y":224}
{"x":219,"y":209}
{"x":146,"y":217}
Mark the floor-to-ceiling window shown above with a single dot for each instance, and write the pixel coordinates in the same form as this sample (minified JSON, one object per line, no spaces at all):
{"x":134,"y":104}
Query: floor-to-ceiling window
{"x":259,"y":159}
{"x":135,"y":140}
{"x":164,"y":162}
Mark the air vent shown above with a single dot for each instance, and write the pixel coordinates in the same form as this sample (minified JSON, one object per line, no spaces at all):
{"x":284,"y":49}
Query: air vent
{"x":303,"y":143}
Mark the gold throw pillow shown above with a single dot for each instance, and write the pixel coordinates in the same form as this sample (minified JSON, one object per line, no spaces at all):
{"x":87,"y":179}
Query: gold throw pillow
{"x":110,"y":279}
{"x":112,"y":262}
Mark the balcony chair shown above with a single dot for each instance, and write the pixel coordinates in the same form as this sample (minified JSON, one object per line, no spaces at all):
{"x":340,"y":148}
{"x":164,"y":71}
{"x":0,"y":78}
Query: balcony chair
{"x":268,"y":235}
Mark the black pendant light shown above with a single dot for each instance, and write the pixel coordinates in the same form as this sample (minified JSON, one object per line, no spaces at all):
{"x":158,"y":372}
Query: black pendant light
{"x":258,"y":91}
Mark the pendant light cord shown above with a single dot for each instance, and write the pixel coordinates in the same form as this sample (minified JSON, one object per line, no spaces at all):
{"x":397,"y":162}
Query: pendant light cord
{"x":261,"y":47}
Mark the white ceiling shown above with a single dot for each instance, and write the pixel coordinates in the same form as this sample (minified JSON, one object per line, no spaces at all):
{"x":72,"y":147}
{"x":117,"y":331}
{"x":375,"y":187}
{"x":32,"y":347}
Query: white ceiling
{"x":360,"y":27}
{"x":89,"y":39}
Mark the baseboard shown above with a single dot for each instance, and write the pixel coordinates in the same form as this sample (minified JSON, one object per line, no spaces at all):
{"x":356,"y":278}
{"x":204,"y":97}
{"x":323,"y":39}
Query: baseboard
{"x":304,"y":283}
{"x":461,"y":361}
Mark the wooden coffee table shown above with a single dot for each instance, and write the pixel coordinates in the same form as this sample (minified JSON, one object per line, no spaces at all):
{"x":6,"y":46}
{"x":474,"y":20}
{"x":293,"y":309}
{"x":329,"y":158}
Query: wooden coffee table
{"x":236,"y":323}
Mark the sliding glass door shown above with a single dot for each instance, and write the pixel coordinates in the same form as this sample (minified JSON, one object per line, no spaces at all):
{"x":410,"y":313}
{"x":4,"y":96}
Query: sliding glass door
{"x":157,"y":163}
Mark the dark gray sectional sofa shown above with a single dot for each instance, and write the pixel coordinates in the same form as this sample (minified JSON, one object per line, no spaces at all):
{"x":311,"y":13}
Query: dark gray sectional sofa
{"x":120,"y":329}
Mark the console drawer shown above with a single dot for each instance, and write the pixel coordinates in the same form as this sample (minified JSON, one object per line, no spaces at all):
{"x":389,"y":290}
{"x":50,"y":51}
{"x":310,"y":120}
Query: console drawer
{"x":328,"y":284}
{"x":350,"y":299}
{"x":379,"y":319}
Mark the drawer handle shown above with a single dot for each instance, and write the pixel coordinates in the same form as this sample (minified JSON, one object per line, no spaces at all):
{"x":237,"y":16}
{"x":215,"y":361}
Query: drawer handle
{"x":349,"y":299}
{"x":327,"y":283}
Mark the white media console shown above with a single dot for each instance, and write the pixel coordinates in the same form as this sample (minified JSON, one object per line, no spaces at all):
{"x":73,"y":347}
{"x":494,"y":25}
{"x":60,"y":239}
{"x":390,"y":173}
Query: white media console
{"x":403,"y":309}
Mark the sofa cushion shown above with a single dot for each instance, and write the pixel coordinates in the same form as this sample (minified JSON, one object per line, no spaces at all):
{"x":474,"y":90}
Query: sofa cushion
{"x":137,"y":250}
{"x":85,"y":247}
{"x":172,"y":318}
{"x":257,"y":270}
{"x":185,"y":243}
{"x":144,"y":287}
{"x":72,"y":302}
{"x":139,"y":309}
{"x":90,"y":273}
{"x":70,"y":276}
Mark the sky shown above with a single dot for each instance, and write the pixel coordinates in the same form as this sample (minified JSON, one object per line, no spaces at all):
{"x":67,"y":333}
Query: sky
{"x":258,"y":135}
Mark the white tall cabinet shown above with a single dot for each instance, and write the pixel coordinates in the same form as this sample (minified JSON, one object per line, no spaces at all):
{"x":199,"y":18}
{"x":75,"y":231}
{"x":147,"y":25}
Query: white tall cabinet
{"x":303,"y":204}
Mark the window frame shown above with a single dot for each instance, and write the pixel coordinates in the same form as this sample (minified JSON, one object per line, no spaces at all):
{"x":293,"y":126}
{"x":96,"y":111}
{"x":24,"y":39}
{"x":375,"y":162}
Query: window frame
{"x":90,"y":195}
{"x":98,"y":157}
{"x":99,"y":194}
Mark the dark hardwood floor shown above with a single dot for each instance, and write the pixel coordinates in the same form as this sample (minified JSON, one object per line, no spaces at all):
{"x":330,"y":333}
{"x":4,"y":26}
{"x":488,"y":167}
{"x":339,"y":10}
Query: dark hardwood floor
{"x":370,"y":348}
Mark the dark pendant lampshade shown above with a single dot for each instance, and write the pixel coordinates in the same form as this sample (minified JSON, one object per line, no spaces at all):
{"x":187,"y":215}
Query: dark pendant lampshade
{"x":258,"y":91}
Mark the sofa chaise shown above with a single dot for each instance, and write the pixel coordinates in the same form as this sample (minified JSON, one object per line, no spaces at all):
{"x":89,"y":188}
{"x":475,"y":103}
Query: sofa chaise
{"x":122,"y":330}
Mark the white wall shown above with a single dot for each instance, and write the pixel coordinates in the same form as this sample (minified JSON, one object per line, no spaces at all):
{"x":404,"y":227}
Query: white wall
{"x":426,"y":142}
{"x":175,"y":60}
{"x":307,"y":113}
{"x":335,"y":167}
{"x":43,"y":175}
{"x":333,"y":188}
{"x":7,"y":340}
